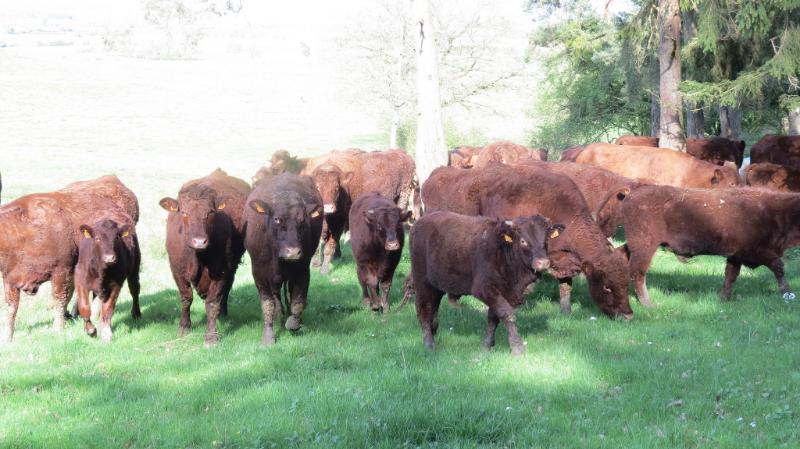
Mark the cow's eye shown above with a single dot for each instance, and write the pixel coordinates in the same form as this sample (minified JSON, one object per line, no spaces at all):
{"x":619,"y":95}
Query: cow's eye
{"x":606,"y":289}
{"x":523,"y":242}
{"x":277,"y":220}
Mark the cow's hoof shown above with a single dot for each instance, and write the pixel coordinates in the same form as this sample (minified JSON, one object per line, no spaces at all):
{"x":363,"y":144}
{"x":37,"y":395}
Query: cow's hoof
{"x":315,"y":263}
{"x":293,"y":323}
{"x":324,"y":270}
{"x":566,"y":310}
{"x":184,"y":330}
{"x":429,"y":344}
{"x":105,"y":335}
{"x":268,"y":339}
{"x":488,"y":344}
{"x":518,"y":350}
{"x":91,"y":331}
{"x":136,"y":314}
{"x":789,"y":296}
{"x":211,"y":341}
{"x":646,"y":303}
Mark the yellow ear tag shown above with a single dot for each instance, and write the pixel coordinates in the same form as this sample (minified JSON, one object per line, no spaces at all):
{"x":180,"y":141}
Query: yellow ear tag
{"x":315,"y":214}
{"x":221,"y":206}
{"x":125,"y":234}
{"x":507,"y":238}
{"x":86,"y":234}
{"x":554,"y":234}
{"x":259,"y":209}
{"x":173,"y":209}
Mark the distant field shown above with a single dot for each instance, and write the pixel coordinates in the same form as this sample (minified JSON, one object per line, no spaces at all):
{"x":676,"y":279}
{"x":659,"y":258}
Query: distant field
{"x":692,"y":372}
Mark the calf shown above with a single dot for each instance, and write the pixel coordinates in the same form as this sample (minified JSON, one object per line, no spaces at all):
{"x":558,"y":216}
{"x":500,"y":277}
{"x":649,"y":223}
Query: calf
{"x":108,"y":255}
{"x":659,"y":166}
{"x":783,"y":150}
{"x":376,"y":236}
{"x":748,"y":226}
{"x":782,"y":178}
{"x":284,"y":222}
{"x":205,"y":244}
{"x":507,"y":192}
{"x":493,"y":260}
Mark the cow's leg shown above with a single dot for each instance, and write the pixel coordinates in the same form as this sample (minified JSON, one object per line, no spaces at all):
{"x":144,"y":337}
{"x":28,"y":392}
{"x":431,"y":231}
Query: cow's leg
{"x":732,"y":268}
{"x":776,"y":266}
{"x":365,"y":294}
{"x":327,"y":254}
{"x":506,"y":312}
{"x":298,"y":289}
{"x":185,"y":292}
{"x":84,"y":304}
{"x":70,"y":292}
{"x":226,"y":291}
{"x":337,"y":229}
{"x":428,"y":300}
{"x":639,"y":264}
{"x":106,"y":312}
{"x":268,"y":305}
{"x":60,"y":282}
{"x":323,"y":238}
{"x":385,"y":287}
{"x":565,"y":295}
{"x":12,"y":303}
{"x":134,"y":287}
{"x":492,"y":321}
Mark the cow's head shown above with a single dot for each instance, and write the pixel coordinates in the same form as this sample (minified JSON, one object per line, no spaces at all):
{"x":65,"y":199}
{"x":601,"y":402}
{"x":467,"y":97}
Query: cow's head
{"x":608,"y":281}
{"x":196,"y":208}
{"x":287,"y":220}
{"x":386,"y":224}
{"x":726,"y":176}
{"x":105,"y":235}
{"x":524,"y":240}
{"x":330,"y":180}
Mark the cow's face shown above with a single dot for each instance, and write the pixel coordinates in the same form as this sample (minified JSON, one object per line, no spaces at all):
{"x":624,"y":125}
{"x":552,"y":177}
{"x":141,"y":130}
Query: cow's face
{"x":105,"y":235}
{"x":329,"y":181}
{"x":287,"y":222}
{"x":526,"y":238}
{"x":386,"y":224}
{"x":196,"y":211}
{"x":608,"y":284}
{"x":726,"y":176}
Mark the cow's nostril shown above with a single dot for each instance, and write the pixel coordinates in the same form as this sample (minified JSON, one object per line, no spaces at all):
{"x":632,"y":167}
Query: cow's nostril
{"x":199,"y":243}
{"x":109,"y":258}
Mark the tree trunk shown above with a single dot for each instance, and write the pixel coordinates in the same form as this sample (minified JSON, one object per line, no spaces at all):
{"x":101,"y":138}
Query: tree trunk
{"x":655,"y":108}
{"x":794,"y":122}
{"x":730,"y":122}
{"x":695,"y":122}
{"x":431,"y":150}
{"x":669,"y":61}
{"x":395,"y":127}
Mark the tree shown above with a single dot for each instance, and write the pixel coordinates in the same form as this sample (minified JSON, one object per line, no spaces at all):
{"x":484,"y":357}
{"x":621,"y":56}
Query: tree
{"x":671,"y":133}
{"x":430,"y":149}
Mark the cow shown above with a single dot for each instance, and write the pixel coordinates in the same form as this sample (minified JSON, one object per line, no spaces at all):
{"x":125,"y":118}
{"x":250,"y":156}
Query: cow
{"x":749,"y":227}
{"x":107,"y":256}
{"x":716,"y":150}
{"x":782,"y":178}
{"x":659,"y":166}
{"x":462,"y":157}
{"x":638,"y":141}
{"x":506,"y":153}
{"x":40,"y":237}
{"x":491,"y":259}
{"x":506,"y":192}
{"x":783,"y":150}
{"x":280,"y":162}
{"x":205,"y":244}
{"x":376,"y":236}
{"x":284,"y":217}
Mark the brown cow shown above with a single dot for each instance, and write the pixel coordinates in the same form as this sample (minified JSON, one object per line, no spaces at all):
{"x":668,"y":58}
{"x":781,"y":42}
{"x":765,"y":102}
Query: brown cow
{"x":40,"y":239}
{"x":280,"y":162}
{"x":659,"y":166}
{"x":783,"y":150}
{"x":507,"y":192}
{"x":748,"y":226}
{"x":462,"y":157}
{"x":638,"y":141}
{"x":716,"y":150}
{"x":390,"y":173}
{"x":491,"y":259}
{"x":107,"y":256}
{"x":376,"y":236}
{"x":205,"y":243}
{"x":508,"y":153}
{"x":782,"y":178}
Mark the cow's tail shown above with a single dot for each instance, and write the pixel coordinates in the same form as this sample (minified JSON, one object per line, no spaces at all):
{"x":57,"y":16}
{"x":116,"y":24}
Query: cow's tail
{"x":408,"y":291}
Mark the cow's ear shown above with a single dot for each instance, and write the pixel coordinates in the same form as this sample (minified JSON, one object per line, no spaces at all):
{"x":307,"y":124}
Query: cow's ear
{"x":743,"y":144}
{"x":717,"y":178}
{"x":405,"y":216}
{"x":86,"y":230}
{"x":506,"y":233}
{"x":314,"y":210}
{"x":169,"y":204}
{"x":125,"y":230}
{"x":347,"y":177}
{"x":370,"y":216}
{"x":555,"y":230}
{"x":259,"y":206}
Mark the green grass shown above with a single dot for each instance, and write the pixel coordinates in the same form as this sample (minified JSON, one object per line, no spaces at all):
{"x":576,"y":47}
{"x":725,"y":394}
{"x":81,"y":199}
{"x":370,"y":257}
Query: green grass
{"x":693,"y":372}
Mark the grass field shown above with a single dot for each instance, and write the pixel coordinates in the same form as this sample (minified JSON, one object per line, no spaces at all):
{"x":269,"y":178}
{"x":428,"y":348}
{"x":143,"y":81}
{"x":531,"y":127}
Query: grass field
{"x":692,"y":372}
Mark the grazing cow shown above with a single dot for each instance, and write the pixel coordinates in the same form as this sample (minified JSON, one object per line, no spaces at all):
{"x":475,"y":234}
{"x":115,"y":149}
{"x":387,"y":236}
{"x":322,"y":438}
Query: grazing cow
{"x":205,"y":244}
{"x":783,"y":150}
{"x":463,"y":157}
{"x":284,"y":222}
{"x":40,"y":237}
{"x":659,"y":166}
{"x":280,"y":162}
{"x":782,"y":178}
{"x":638,"y":141}
{"x":506,"y":153}
{"x":391,"y":173}
{"x":716,"y":150}
{"x":507,"y":192}
{"x":493,"y":260}
{"x":376,"y":236}
{"x":748,"y":226}
{"x":107,"y":256}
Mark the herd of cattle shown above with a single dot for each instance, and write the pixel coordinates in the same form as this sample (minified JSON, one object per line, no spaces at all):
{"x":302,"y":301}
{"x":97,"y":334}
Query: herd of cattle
{"x":496,"y":218}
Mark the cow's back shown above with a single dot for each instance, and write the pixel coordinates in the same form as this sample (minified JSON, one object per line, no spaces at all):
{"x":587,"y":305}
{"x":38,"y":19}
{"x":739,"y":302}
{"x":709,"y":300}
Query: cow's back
{"x":784,"y":150}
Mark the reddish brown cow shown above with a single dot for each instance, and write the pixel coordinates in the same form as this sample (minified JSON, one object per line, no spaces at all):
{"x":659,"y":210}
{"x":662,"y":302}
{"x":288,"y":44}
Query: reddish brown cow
{"x":280,"y":162}
{"x":507,"y":192}
{"x":376,"y":236}
{"x":493,"y":260}
{"x":659,"y":166}
{"x":107,"y":256}
{"x":783,"y":150}
{"x":748,"y":226}
{"x":463,"y":157}
{"x":205,"y":243}
{"x":716,"y":150}
{"x":639,"y":141}
{"x":507,"y":153}
{"x":782,"y":178}
{"x":390,"y":173}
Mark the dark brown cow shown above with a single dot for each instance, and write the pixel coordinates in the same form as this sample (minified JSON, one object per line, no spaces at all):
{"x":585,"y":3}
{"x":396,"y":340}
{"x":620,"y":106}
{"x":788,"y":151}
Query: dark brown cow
{"x":716,"y":150}
{"x":40,"y":238}
{"x":505,"y":152}
{"x":376,"y":236}
{"x":107,"y":256}
{"x":284,"y":221}
{"x":783,"y":150}
{"x":205,"y":229}
{"x":638,"y":141}
{"x":463,"y":157}
{"x":493,"y":260}
{"x":507,"y":192}
{"x":750,"y":227}
{"x":659,"y":166}
{"x":280,"y":162}
{"x":782,"y":178}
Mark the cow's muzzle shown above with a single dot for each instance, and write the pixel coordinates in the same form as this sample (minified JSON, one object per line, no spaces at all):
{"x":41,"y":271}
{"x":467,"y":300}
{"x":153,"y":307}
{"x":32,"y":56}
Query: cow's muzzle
{"x":329,"y":208}
{"x":109,"y":258}
{"x":291,"y":253}
{"x":392,"y":245}
{"x":541,"y":263}
{"x":199,"y":243}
